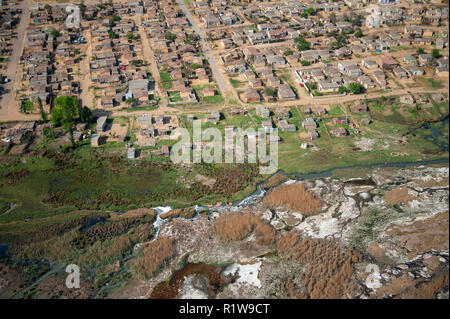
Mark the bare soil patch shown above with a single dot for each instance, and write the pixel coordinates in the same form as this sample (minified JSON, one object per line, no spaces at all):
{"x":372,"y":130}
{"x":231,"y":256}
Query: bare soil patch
{"x":399,"y":195}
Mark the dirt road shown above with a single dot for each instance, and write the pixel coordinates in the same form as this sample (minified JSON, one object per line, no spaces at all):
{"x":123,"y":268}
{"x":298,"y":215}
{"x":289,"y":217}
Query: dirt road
{"x":221,"y":82}
{"x":7,"y":105}
{"x":149,"y":57}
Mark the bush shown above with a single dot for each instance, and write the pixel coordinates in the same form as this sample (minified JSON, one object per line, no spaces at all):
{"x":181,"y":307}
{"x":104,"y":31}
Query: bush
{"x":294,"y":197}
{"x":302,"y":44}
{"x":304,"y":62}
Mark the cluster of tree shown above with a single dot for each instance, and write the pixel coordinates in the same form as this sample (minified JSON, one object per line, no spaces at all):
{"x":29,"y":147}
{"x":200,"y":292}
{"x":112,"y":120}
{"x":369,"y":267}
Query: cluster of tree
{"x":309,"y":11}
{"x":341,"y":40}
{"x":112,"y":34}
{"x":113,"y":20}
{"x":356,"y":88}
{"x":66,"y":111}
{"x":302,"y":44}
{"x":131,"y":36}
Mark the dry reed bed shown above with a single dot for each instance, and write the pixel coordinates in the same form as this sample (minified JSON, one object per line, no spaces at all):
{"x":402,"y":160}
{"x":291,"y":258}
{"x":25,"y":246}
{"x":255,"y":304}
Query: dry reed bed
{"x":237,"y":226}
{"x":294,"y":197}
{"x":155,"y":255}
{"x":328,"y":267}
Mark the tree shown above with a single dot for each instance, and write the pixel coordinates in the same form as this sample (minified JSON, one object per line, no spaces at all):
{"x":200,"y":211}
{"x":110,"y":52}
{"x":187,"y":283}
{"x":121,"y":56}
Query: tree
{"x":435,"y":53}
{"x":288,"y":52}
{"x":55,"y":34}
{"x":356,"y":88}
{"x":169,"y":36}
{"x":304,"y":15}
{"x":41,"y":110}
{"x":48,"y":8}
{"x":131,"y":36}
{"x":302,"y":44}
{"x":310,"y":11}
{"x":269,"y":91}
{"x":26,"y":105}
{"x":65,"y":110}
{"x":131,"y":101}
{"x":111,"y":34}
{"x":342,"y":89}
{"x":420,"y":51}
{"x":359,"y":33}
{"x":86,"y":115}
{"x":304,"y":62}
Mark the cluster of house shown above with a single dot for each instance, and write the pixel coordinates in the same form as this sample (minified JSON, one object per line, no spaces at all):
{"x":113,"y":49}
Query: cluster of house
{"x":369,"y":72}
{"x":50,"y":64}
{"x":417,"y":13}
{"x":256,"y":67}
{"x":20,"y":135}
{"x":153,"y":128}
{"x":216,"y":13}
{"x":117,"y":65}
{"x":9,"y":18}
{"x":42,"y":14}
{"x":286,"y":21}
{"x":177,"y":52}
{"x":410,"y":99}
{"x":15,"y":133}
{"x":10,"y":15}
{"x":310,"y":125}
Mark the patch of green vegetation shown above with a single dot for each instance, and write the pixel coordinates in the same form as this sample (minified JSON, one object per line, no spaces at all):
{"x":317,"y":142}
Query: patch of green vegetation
{"x":174,"y":96}
{"x":4,"y":206}
{"x":236,"y":83}
{"x":166,"y":81}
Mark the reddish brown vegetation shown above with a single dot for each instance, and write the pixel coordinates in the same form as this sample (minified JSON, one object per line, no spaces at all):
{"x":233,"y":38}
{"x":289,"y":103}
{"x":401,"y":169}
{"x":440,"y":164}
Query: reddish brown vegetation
{"x":154,"y":256}
{"x":405,"y":287}
{"x":237,"y":226}
{"x":329,"y":268}
{"x":294,"y":197}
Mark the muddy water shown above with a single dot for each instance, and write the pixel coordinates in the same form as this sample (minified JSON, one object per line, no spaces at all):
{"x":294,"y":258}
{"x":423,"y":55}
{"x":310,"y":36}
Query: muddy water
{"x":211,"y":274}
